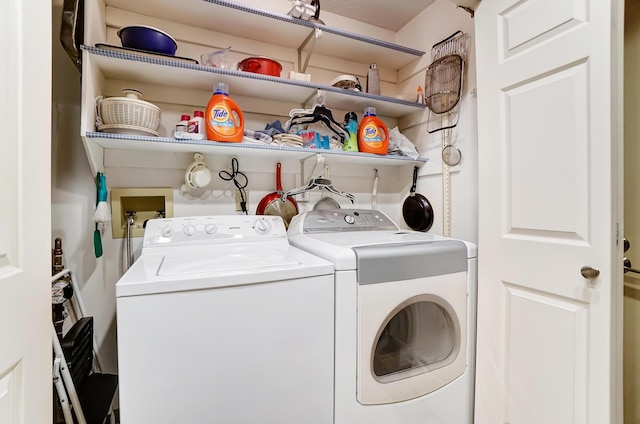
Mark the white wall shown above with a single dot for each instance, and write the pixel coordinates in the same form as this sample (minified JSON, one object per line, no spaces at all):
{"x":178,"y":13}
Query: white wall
{"x":73,"y":189}
{"x":73,"y":197}
{"x":434,"y":24}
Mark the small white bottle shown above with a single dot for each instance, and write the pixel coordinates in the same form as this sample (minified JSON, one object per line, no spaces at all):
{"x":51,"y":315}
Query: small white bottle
{"x":181,"y":127}
{"x":183,"y":124}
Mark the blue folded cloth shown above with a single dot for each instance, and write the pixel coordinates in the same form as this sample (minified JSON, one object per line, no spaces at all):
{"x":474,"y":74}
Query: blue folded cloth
{"x":274,"y":128}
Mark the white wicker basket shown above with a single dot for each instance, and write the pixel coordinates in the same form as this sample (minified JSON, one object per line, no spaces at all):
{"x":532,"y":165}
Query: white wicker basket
{"x":127,"y":112}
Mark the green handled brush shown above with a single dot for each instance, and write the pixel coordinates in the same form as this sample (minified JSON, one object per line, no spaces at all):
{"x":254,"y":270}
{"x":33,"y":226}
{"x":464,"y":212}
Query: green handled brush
{"x":102,"y":214}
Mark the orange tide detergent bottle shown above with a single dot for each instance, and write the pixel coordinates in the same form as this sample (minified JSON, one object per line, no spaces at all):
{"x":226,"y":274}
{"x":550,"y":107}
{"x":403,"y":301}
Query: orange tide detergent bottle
{"x":373,"y":136}
{"x":223,"y":118}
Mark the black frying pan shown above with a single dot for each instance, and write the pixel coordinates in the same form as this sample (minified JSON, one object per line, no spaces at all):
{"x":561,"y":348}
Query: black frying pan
{"x":72,"y":30}
{"x":416,"y":210}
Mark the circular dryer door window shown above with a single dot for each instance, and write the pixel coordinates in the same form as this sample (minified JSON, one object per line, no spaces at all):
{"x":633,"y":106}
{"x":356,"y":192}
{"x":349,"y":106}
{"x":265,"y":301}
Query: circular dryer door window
{"x":412,"y":337}
{"x":420,"y":337}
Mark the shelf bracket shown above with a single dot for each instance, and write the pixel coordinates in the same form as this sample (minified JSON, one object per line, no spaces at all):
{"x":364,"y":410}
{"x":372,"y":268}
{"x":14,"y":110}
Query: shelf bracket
{"x":313,"y":36}
{"x":468,"y":10}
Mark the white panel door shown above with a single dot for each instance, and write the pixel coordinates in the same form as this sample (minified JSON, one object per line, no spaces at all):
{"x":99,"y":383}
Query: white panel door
{"x":549,"y":342}
{"x":25,"y":228}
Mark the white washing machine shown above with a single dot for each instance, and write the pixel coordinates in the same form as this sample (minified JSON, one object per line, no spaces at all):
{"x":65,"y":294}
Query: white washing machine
{"x":220,"y":320}
{"x":405,"y":318}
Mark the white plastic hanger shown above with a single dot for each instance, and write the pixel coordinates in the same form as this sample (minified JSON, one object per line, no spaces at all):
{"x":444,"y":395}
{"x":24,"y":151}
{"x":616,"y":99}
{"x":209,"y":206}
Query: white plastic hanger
{"x":317,"y":181}
{"x":302,"y":10}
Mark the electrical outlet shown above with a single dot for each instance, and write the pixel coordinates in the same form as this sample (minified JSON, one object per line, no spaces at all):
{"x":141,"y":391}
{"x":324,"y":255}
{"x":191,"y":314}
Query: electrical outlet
{"x":239,"y":200}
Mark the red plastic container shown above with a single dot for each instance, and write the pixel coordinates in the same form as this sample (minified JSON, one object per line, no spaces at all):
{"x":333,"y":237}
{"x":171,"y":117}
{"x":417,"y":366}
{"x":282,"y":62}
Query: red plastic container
{"x":261,"y":65}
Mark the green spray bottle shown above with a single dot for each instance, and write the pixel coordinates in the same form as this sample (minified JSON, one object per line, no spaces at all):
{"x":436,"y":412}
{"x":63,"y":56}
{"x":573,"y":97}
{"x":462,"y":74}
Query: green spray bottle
{"x":351,"y":125}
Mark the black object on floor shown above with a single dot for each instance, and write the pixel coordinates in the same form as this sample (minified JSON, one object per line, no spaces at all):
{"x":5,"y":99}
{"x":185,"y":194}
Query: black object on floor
{"x":95,"y":390}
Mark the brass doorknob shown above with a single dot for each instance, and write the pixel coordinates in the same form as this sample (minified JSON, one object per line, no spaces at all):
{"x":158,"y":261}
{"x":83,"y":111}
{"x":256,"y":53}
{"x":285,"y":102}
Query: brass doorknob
{"x":589,"y":273}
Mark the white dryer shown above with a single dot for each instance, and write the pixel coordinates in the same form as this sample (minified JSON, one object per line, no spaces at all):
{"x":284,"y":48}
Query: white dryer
{"x":220,"y":320}
{"x":405,"y":317}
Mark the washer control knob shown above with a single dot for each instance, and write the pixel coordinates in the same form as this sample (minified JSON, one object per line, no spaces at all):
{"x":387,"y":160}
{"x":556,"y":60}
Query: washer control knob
{"x":167,"y":232}
{"x":189,"y":230}
{"x":262,"y":226}
{"x":210,"y":228}
{"x":349,"y":219}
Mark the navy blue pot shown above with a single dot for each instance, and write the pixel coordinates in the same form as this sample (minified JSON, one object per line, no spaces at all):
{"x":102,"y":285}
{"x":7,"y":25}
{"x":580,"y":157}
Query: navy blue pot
{"x":147,"y":38}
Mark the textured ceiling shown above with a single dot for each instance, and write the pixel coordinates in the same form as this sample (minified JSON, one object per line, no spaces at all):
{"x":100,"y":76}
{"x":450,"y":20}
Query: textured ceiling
{"x":389,"y":14}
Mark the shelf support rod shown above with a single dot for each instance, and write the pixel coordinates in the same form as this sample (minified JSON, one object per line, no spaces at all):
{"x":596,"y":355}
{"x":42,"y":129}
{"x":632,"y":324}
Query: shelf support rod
{"x":320,"y":99}
{"x":304,"y":197}
{"x":313,"y":36}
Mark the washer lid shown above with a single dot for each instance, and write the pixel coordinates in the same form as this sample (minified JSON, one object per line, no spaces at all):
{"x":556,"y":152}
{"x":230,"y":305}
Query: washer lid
{"x":229,"y":260}
{"x":190,"y":268}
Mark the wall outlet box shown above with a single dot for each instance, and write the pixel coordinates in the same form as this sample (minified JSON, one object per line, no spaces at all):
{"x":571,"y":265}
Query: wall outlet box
{"x":145,"y":203}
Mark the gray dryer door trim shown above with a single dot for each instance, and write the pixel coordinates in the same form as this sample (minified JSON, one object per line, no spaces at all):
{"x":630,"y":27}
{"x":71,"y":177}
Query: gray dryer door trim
{"x":397,"y":262}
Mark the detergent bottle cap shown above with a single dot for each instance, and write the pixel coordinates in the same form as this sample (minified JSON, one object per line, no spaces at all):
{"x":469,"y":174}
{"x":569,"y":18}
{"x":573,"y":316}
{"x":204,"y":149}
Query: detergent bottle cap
{"x":222,"y":88}
{"x":185,"y":117}
{"x":198,"y":114}
{"x":370,"y":111}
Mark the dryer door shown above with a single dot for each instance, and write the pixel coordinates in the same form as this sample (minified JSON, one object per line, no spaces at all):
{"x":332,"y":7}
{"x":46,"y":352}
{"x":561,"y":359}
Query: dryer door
{"x":412,"y":337}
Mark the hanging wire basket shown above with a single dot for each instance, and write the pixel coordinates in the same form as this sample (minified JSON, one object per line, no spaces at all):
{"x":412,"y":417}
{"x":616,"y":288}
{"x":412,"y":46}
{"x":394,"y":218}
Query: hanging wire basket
{"x":443,"y":83}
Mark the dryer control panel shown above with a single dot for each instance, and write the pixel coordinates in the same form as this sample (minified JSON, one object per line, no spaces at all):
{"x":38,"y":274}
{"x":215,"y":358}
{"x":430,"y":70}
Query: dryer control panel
{"x":213,"y":229}
{"x":339,"y":220}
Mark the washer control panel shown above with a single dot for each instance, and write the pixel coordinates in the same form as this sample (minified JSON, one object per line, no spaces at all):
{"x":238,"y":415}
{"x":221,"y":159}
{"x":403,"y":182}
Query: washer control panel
{"x":320,"y":221}
{"x":213,"y":229}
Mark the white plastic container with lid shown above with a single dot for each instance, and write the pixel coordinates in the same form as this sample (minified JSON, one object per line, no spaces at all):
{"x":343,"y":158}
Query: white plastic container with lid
{"x":182,"y":130}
